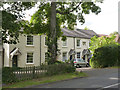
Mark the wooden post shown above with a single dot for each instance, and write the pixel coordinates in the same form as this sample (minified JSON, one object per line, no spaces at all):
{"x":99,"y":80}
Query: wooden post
{"x":34,"y":72}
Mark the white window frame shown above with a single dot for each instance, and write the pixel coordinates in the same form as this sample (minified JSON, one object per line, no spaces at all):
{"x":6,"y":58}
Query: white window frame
{"x":79,"y":43}
{"x":27,"y":58}
{"x":79,"y":54}
{"x":89,"y":44}
{"x":27,"y":41}
{"x":66,"y":56}
{"x":64,"y":42}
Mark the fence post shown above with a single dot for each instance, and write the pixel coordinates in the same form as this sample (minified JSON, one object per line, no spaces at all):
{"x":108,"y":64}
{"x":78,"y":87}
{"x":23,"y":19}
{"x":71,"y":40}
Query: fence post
{"x":34,"y":72}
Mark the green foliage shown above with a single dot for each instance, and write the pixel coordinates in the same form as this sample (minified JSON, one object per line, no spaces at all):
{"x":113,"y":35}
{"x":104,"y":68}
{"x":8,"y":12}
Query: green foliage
{"x":7,"y":75}
{"x":58,"y":62}
{"x":64,"y":38}
{"x":42,"y":21}
{"x":86,"y":28}
{"x":27,"y":73}
{"x":106,"y":56}
{"x":55,"y":69}
{"x":114,"y":33}
{"x":11,"y":17}
{"x":97,"y":42}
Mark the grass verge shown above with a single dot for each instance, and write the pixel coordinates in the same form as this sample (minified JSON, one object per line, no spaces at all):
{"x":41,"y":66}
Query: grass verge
{"x":44,"y":80}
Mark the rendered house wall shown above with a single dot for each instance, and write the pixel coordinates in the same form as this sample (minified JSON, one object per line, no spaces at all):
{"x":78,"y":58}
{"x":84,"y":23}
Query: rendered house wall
{"x":35,"y":48}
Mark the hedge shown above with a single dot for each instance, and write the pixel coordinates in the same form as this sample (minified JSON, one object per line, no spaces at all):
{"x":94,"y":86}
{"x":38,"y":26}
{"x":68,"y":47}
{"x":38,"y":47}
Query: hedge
{"x":10,"y":75}
{"x":106,"y":56}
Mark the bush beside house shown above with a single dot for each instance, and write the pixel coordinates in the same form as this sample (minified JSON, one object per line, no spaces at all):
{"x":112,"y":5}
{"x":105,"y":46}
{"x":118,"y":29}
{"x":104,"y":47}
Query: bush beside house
{"x":106,"y":56}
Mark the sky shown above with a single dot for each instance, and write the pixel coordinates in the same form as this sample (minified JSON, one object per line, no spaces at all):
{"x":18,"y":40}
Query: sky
{"x":105,"y":22}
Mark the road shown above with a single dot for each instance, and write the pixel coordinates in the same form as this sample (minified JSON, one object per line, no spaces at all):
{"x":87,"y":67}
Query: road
{"x":97,"y":78}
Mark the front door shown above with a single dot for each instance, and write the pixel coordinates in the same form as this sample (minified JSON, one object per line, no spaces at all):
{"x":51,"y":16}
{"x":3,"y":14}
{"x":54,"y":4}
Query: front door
{"x":15,"y":63}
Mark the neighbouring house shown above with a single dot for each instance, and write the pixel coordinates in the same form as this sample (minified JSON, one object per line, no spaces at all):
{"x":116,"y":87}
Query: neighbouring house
{"x":100,"y":35}
{"x":32,"y":49}
{"x":117,"y":39}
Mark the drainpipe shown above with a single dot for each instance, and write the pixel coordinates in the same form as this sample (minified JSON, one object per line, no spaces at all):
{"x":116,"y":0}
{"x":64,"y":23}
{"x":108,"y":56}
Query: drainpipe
{"x":40,"y":49}
{"x":74,"y":43}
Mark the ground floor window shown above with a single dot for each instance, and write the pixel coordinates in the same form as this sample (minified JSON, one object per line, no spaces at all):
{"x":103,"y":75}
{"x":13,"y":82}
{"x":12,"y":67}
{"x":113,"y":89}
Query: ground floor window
{"x":64,"y":56}
{"x":30,"y":57}
{"x":78,"y":55}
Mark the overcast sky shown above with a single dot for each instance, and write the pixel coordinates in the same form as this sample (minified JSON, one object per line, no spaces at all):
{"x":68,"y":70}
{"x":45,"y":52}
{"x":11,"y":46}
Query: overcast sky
{"x":105,"y":22}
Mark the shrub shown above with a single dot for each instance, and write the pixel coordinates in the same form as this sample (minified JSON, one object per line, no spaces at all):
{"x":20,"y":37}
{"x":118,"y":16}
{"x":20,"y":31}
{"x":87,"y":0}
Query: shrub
{"x":58,"y":62}
{"x":55,"y":69}
{"x":7,"y":75}
{"x":106,"y":56}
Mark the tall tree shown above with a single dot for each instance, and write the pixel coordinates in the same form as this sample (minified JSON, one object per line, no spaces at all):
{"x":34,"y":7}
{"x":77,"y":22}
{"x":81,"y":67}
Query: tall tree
{"x":49,"y":18}
{"x":97,"y":42}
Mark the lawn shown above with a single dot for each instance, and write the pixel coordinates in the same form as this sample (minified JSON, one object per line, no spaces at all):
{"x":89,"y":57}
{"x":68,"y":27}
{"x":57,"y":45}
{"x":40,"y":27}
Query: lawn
{"x":46,"y":80}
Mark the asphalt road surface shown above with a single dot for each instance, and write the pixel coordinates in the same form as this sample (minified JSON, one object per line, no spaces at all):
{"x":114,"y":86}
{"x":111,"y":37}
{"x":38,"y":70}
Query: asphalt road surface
{"x":97,"y":78}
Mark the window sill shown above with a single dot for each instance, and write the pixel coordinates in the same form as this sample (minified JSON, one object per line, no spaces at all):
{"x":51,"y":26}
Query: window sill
{"x":45,"y":46}
{"x":29,"y":63}
{"x":64,"y":46}
{"x":78,"y":47}
{"x":29,"y":45}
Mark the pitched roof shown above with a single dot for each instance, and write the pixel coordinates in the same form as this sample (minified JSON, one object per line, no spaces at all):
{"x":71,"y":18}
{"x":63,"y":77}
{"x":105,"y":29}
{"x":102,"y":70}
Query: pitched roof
{"x":90,"y":33}
{"x":78,"y":33}
{"x":100,"y":35}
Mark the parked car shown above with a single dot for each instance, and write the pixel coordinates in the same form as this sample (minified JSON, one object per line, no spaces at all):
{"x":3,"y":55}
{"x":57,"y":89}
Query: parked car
{"x":80,"y":63}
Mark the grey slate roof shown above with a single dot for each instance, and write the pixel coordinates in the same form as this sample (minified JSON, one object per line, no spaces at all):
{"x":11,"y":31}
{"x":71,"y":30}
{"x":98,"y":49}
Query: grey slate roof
{"x":78,"y":33}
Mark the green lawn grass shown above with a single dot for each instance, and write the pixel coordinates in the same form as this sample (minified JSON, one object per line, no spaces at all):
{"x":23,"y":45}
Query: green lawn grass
{"x":43,"y":80}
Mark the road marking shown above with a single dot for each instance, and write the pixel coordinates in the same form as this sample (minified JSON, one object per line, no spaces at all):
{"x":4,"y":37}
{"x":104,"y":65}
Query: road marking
{"x":112,"y":85}
{"x":108,"y":86}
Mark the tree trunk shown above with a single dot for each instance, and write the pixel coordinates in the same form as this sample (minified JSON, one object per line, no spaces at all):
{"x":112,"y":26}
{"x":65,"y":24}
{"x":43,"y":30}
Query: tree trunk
{"x":52,"y":38}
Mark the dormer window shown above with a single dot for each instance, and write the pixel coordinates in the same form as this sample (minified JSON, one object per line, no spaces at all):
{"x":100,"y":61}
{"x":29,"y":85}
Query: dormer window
{"x":84,"y":43}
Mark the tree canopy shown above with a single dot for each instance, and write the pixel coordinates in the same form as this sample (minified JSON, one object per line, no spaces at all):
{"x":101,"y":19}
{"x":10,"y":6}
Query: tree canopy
{"x":49,"y":19}
{"x":12,"y":15}
{"x":97,"y":42}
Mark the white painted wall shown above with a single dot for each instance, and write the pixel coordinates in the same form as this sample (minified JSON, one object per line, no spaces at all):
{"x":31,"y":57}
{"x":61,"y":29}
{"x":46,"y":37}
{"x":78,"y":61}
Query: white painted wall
{"x":36,"y":50}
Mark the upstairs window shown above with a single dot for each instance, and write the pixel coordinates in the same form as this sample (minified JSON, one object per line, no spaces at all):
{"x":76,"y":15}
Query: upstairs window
{"x":65,"y":43}
{"x":29,"y":40}
{"x":78,"y":43}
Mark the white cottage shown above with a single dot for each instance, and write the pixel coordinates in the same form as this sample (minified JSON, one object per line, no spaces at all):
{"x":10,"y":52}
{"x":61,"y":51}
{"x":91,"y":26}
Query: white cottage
{"x":31,"y":51}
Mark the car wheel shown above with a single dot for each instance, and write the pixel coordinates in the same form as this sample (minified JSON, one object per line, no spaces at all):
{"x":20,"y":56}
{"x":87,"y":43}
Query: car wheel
{"x":87,"y":65}
{"x":77,"y":66}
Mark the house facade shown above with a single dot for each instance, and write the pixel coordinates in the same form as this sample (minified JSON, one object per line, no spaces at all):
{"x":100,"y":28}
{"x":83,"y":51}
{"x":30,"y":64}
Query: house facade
{"x":32,"y":49}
